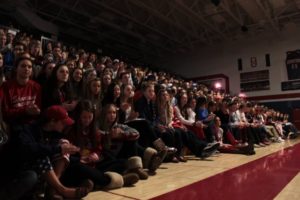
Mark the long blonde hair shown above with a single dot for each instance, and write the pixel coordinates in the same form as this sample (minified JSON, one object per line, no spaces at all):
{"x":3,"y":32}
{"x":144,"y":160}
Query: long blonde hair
{"x":164,"y":109}
{"x":96,"y":100}
{"x":103,"y":123}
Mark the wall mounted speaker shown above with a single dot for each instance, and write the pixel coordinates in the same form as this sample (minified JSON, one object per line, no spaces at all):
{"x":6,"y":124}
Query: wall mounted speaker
{"x":268,"y":61}
{"x":240,"y":64}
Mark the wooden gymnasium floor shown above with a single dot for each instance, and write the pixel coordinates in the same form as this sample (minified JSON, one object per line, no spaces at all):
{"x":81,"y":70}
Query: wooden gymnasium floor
{"x":273,"y":173}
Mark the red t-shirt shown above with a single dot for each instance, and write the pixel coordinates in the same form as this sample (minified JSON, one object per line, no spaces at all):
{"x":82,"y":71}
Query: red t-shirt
{"x":15,"y":99}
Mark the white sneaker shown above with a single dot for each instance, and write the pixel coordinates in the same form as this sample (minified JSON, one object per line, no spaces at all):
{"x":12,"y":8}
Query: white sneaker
{"x":280,"y":139}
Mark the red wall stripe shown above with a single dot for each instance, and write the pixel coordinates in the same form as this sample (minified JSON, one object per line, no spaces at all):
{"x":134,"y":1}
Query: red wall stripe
{"x":276,"y":96}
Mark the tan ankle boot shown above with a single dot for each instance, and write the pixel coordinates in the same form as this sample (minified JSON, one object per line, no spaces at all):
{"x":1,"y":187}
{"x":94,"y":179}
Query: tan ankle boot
{"x":130,"y":179}
{"x":135,"y":166}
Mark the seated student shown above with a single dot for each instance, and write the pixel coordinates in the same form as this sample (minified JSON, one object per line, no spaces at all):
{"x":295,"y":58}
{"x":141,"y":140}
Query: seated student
{"x":106,"y":81}
{"x":112,"y":95}
{"x":229,"y":148}
{"x":126,"y":107}
{"x":45,"y":73}
{"x":260,"y":134}
{"x":21,"y":97}
{"x":223,"y":114}
{"x":11,"y":57}
{"x":239,"y":129}
{"x":120,"y":141}
{"x":57,"y":90}
{"x":31,"y":150}
{"x":255,"y":131}
{"x":289,"y":128}
{"x":3,"y":40}
{"x":198,"y":147}
{"x":2,"y":77}
{"x":91,"y":162}
{"x":185,"y":112}
{"x":125,"y":78}
{"x":275,"y":132}
{"x":89,"y":74}
{"x":164,"y":124}
{"x":76,"y":82}
{"x":150,"y":135}
{"x":129,"y":116}
{"x":146,"y":108}
{"x":15,"y":183}
{"x":93,"y":93}
{"x":35,"y":50}
{"x":205,"y":116}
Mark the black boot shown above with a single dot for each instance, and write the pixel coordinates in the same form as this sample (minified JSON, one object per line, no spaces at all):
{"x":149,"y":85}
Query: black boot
{"x":163,"y":149}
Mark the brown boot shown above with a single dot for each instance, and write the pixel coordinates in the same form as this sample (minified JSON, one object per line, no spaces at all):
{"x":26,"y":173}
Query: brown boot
{"x":151,"y":159}
{"x":88,"y":185}
{"x":154,"y":163}
{"x":135,"y":166}
{"x":85,"y":188}
{"x":143,"y":175}
{"x":161,"y":148}
{"x":130,"y":179}
{"x":116,"y":180}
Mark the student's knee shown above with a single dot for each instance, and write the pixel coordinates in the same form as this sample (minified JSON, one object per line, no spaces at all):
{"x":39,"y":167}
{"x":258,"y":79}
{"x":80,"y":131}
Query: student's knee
{"x":30,"y":178}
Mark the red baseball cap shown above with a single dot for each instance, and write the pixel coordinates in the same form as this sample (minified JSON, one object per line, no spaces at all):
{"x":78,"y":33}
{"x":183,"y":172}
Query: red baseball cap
{"x":58,"y":113}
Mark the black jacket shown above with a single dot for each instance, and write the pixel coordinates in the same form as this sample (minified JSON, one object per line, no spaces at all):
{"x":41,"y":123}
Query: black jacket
{"x":27,"y":144}
{"x":146,"y":110}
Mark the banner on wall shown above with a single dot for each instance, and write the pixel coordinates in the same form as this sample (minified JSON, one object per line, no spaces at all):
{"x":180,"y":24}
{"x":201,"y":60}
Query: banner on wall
{"x":290,"y":85}
{"x":255,"y":81}
{"x":293,"y":64}
{"x":293,"y":71}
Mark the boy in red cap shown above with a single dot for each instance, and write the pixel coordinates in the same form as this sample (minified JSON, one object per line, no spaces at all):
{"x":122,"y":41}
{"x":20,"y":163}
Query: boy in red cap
{"x":34,"y":145}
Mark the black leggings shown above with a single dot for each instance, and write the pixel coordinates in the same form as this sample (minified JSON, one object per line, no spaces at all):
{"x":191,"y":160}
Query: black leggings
{"x":76,"y":173}
{"x":258,"y":134}
{"x":192,"y":142}
{"x":172,"y":138}
{"x":128,"y":150}
{"x":113,"y":165}
{"x":243,"y":134}
{"x":147,"y":133}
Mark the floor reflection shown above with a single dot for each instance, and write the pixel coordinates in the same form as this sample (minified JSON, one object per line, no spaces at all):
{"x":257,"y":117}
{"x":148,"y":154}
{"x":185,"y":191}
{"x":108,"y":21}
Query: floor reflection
{"x":261,"y":179}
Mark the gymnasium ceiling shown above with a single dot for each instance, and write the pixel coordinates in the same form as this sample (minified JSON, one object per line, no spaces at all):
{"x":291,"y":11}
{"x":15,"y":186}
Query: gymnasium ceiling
{"x":149,"y":30}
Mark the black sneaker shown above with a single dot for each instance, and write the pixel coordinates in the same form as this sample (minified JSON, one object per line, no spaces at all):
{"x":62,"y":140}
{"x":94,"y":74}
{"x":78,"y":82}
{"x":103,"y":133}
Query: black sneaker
{"x":209,"y":150}
{"x":248,"y":150}
{"x":292,"y":135}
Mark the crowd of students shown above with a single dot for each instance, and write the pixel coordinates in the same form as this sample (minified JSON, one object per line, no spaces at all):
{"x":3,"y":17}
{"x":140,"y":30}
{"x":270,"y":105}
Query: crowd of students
{"x":78,"y":122}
